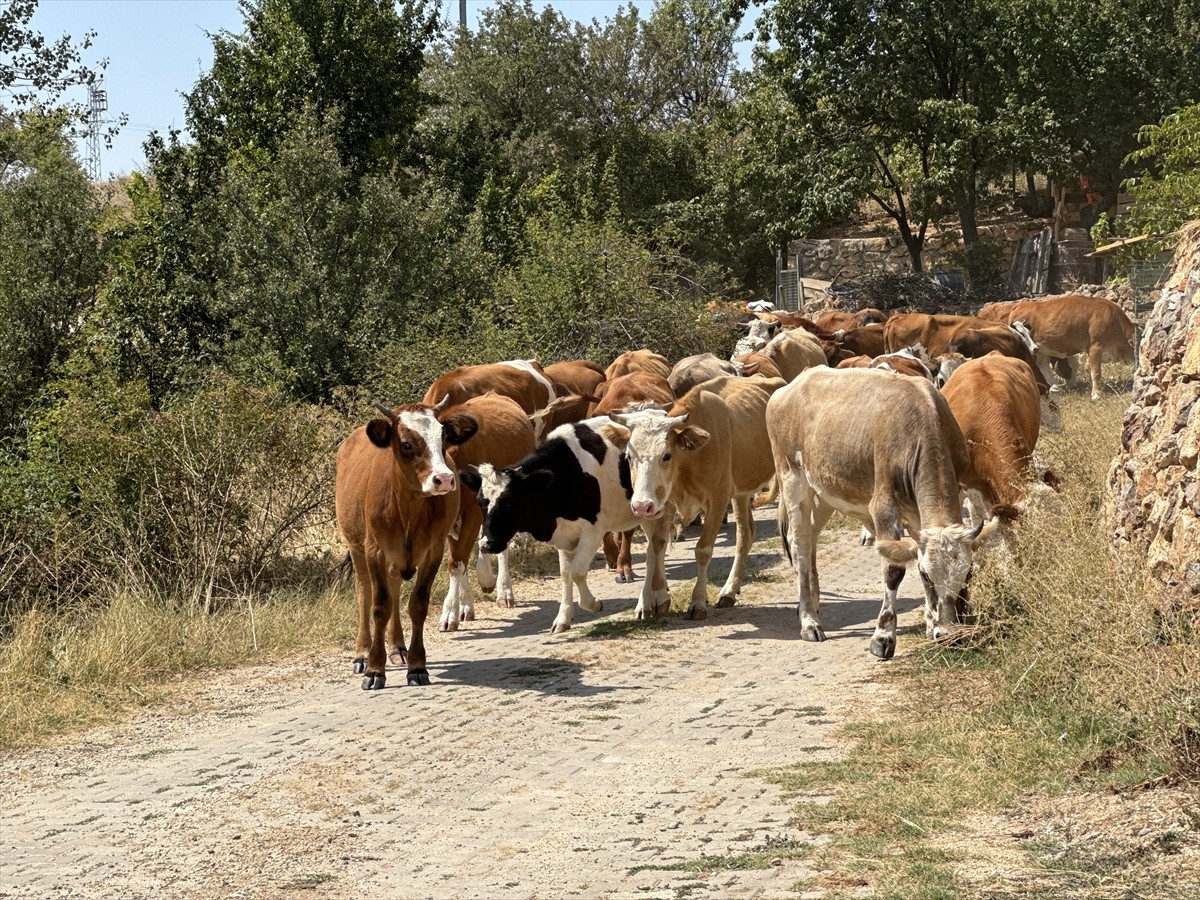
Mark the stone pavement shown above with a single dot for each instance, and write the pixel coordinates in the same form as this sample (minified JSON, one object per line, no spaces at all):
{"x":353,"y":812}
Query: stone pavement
{"x":600,"y":763}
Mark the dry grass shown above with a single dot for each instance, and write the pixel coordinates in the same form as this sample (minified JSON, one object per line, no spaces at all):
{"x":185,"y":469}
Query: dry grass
{"x":66,"y":673}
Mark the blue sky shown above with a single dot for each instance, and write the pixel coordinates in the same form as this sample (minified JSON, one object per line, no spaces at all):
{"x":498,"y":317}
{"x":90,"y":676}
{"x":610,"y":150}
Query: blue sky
{"x":156,"y":49}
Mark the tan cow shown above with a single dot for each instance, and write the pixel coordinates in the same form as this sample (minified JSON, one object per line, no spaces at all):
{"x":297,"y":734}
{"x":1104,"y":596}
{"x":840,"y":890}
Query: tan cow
{"x":708,"y":450}
{"x":396,"y":498}
{"x":995,"y":402}
{"x":638,"y":361}
{"x":692,"y":370}
{"x":641,"y":389}
{"x":883,"y":449}
{"x":791,"y":352}
{"x":1070,"y":324}
{"x":505,"y":435}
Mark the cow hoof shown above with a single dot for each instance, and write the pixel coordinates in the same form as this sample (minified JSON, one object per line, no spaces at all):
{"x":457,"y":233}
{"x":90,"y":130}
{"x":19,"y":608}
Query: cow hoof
{"x":398,"y":656}
{"x":813,"y":633}
{"x":449,"y":626}
{"x":468,"y":615}
{"x":641,"y":613}
{"x":558,"y":628}
{"x":697,"y":612}
{"x":621,"y":579}
{"x":417,"y":677}
{"x":360,"y":666}
{"x":507,"y":601}
{"x":725,"y":601}
{"x":884,"y":648}
{"x":374,"y":681}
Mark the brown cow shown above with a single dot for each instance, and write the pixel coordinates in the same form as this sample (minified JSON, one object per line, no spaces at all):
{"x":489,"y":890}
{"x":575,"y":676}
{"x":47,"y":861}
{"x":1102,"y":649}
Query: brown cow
{"x":504,"y":437}
{"x":622,"y":392}
{"x":866,"y":340}
{"x":638,"y":361}
{"x":576,"y":377}
{"x":995,"y":402}
{"x":1070,"y":324}
{"x":968,"y":335}
{"x":396,"y":498}
{"x":839,"y":320}
{"x":902,"y":362}
{"x":523,"y":380}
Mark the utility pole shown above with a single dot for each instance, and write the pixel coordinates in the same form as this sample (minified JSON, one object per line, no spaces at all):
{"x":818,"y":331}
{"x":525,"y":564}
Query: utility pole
{"x":97,"y":107}
{"x":462,"y":13}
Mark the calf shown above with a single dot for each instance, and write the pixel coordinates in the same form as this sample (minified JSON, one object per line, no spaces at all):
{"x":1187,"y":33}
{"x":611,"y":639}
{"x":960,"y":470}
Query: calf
{"x":708,"y":450}
{"x":505,"y":435}
{"x":886,"y":450}
{"x":568,"y":492}
{"x":396,"y":498}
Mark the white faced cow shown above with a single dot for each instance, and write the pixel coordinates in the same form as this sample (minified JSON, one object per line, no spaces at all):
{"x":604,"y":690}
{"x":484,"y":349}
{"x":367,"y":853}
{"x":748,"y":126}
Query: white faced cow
{"x":568,"y":492}
{"x":883,"y":449}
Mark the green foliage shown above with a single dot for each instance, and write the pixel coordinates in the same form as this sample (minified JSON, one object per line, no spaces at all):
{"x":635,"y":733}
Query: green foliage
{"x":1168,"y":195}
{"x":33,"y":70}
{"x":353,"y":61}
{"x":50,"y":259}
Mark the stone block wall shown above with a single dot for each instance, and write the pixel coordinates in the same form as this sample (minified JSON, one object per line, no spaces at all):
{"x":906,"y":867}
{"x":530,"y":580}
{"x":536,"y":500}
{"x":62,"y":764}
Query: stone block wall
{"x":852,"y":257}
{"x":1155,"y":503}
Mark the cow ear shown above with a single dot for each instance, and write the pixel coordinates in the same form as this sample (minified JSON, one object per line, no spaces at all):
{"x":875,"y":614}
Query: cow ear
{"x":691,"y":438}
{"x":990,"y":529}
{"x":470,"y":478}
{"x":458,"y":429}
{"x":901,"y":551}
{"x":539,"y":479}
{"x":615,"y":434}
{"x":380,"y":432}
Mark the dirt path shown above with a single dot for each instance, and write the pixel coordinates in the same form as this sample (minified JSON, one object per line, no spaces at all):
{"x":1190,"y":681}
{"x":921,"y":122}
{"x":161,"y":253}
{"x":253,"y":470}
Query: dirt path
{"x":533,"y":767}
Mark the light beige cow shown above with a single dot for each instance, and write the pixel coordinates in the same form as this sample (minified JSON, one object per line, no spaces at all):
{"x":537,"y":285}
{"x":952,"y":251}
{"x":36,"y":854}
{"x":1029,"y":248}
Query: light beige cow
{"x":790,"y":351}
{"x":883,"y":449}
{"x":709,"y":449}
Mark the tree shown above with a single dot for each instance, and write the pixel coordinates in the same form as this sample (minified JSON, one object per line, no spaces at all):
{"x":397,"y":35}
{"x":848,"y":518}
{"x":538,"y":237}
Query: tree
{"x":32,"y":69}
{"x":49,"y":254}
{"x":916,"y":85}
{"x":358,"y":60}
{"x":1167,"y":194}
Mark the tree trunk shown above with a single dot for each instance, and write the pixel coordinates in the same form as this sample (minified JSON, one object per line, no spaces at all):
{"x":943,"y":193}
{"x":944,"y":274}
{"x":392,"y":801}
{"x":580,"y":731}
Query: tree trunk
{"x":914,"y":242}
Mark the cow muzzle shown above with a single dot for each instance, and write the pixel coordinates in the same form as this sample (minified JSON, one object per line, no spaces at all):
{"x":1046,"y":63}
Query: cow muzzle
{"x":441,"y":483}
{"x":645,"y":509}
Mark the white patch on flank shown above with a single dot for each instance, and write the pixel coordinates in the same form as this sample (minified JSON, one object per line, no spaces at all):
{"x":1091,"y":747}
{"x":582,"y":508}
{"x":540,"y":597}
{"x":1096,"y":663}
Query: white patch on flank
{"x":425,"y":423}
{"x":527,"y":365}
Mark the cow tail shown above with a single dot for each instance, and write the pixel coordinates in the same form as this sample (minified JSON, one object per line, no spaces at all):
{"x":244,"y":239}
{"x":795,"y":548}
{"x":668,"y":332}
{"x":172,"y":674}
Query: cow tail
{"x":342,"y":573}
{"x":781,"y":517}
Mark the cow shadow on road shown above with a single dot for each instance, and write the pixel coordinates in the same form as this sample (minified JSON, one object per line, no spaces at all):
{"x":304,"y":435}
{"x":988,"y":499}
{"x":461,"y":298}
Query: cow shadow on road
{"x":842,"y":617}
{"x":545,"y":675}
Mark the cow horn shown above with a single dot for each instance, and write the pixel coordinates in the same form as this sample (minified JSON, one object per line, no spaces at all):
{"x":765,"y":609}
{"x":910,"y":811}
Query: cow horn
{"x":391,"y":416}
{"x":978,"y":529}
{"x":442,"y":404}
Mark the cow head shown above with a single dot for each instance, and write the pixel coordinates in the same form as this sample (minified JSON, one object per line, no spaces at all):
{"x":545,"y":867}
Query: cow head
{"x":946,"y":364}
{"x":418,"y":440}
{"x":512,"y":499}
{"x":945,"y":558}
{"x":655,"y":439}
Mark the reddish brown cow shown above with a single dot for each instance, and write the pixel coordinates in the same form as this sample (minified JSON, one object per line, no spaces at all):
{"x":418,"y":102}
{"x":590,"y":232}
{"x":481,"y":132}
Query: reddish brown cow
{"x":504,"y":437}
{"x":396,"y":498}
{"x":577,"y":377}
{"x":838,"y":320}
{"x":995,"y":402}
{"x":1070,"y":324}
{"x":758,"y":364}
{"x":617,"y":395}
{"x":523,"y":380}
{"x":638,"y":361}
{"x":867,"y":340}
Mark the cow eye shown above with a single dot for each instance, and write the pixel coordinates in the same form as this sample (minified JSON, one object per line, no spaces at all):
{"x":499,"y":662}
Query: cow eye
{"x":666,"y":457}
{"x":406,"y":446}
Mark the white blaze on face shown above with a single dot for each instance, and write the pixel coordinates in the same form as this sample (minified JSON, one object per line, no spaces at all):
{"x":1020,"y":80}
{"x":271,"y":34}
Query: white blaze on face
{"x":492,"y":485}
{"x":440,"y":478}
{"x":945,"y":557}
{"x":649,"y":453}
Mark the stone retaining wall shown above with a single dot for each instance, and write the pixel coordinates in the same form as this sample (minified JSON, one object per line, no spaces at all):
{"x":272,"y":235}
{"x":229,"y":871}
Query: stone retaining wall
{"x":1155,"y":503}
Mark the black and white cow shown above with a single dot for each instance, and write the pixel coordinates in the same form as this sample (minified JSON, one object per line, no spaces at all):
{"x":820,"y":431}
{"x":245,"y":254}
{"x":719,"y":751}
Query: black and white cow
{"x":568,"y":492}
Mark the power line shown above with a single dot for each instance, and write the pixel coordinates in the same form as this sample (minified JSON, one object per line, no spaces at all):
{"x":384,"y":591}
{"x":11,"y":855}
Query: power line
{"x":97,"y":107}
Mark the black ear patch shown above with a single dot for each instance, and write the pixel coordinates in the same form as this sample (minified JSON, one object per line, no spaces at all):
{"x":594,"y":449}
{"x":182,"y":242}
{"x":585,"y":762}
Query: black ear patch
{"x":539,"y":479}
{"x":471,"y":479}
{"x":380,"y":432}
{"x":458,"y":429}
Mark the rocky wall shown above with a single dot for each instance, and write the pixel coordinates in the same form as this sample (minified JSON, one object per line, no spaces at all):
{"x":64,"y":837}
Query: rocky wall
{"x":1155,"y":502}
{"x":853,"y":257}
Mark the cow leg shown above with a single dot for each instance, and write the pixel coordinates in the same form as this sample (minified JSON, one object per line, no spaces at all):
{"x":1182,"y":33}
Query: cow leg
{"x":418,"y":609}
{"x":704,"y":551}
{"x":625,"y":558}
{"x":381,"y":609}
{"x":796,"y":499}
{"x":397,"y":653}
{"x":459,"y":604}
{"x":362,"y":591}
{"x":566,"y":605}
{"x":1095,"y":357}
{"x":611,"y":550}
{"x":655,"y":597}
{"x":887,"y":522}
{"x":504,"y":589}
{"x":865,"y":538}
{"x":1046,"y":367}
{"x":745,"y":538}
{"x":457,"y":597}
{"x":485,"y":572}
{"x":574,"y":567}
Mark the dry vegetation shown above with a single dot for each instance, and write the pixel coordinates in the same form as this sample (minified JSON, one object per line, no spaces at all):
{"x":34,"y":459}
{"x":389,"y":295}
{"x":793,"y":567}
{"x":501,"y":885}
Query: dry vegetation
{"x":1079,"y":679}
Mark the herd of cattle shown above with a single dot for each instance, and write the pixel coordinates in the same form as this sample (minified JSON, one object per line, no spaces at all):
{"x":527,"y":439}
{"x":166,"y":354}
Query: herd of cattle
{"x":884,"y":419}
